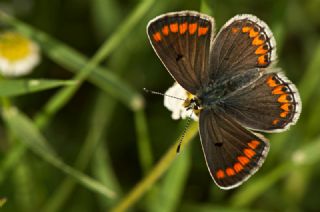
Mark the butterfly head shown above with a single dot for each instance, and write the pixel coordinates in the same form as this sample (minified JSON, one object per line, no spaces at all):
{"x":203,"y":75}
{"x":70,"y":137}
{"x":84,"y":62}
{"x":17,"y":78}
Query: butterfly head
{"x":193,"y":103}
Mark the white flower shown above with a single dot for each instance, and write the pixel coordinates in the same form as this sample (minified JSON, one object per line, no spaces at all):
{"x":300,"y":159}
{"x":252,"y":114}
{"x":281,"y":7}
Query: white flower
{"x":18,"y":55}
{"x":176,"y":105}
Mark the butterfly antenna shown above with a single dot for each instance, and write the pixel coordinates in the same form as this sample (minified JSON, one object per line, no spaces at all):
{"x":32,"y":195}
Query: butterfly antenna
{"x":184,"y":132}
{"x":161,"y":94}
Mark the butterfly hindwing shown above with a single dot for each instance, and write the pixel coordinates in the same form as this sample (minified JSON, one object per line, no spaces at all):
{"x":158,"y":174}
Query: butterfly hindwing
{"x":182,"y":42}
{"x":232,"y":152}
{"x":243,"y":43}
{"x":272,"y":103}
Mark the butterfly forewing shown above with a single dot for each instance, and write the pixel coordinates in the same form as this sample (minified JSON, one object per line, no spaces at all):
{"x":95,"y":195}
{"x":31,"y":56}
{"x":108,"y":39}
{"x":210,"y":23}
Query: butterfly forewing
{"x":243,"y":43}
{"x":182,"y":42}
{"x":232,"y":152}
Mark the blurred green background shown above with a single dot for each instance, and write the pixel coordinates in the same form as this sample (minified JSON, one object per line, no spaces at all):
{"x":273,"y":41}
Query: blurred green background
{"x":86,"y":147}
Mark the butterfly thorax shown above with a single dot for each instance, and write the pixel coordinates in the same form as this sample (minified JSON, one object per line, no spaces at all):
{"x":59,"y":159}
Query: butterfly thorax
{"x":215,"y":93}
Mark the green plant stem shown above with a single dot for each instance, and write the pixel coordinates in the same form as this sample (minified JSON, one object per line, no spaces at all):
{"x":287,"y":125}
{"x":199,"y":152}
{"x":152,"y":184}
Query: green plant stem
{"x":18,"y":87}
{"x":74,"y":61}
{"x":100,"y":121}
{"x":171,"y":187}
{"x":63,"y":96}
{"x":158,"y":170}
{"x":24,"y":130}
{"x":24,"y":185}
{"x":144,"y":148}
{"x":103,"y":171}
{"x":11,"y":159}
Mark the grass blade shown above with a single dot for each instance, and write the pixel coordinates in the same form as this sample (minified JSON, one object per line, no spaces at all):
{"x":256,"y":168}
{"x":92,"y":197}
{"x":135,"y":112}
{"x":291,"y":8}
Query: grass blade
{"x":172,"y":186}
{"x":103,"y":170}
{"x":24,"y":185}
{"x":143,"y":186}
{"x":99,"y":122}
{"x":15,"y":87}
{"x":144,"y":148}
{"x":23,"y":128}
{"x":75,"y":61}
{"x":11,"y":159}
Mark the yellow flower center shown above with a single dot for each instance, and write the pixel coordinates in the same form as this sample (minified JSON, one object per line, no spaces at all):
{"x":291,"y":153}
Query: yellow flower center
{"x":14,"y":46}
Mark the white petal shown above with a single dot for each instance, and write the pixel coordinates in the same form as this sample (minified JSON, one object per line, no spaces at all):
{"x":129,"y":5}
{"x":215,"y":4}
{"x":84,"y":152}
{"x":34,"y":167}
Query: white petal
{"x":176,"y":105}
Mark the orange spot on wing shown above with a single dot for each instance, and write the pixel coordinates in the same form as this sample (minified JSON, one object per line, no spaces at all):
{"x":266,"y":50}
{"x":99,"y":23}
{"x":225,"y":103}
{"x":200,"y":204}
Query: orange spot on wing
{"x":249,"y":153}
{"x":243,"y":160}
{"x":202,"y":31}
{"x":174,"y":27}
{"x":220,"y":174}
{"x":257,"y":41}
{"x":165,"y":30}
{"x":271,"y":82}
{"x":238,"y":167}
{"x":278,"y":90}
{"x":230,"y":172}
{"x":183,"y":27}
{"x":234,"y":30}
{"x":246,"y":29}
{"x":284,"y":114}
{"x":285,"y":107}
{"x":261,"y":50}
{"x":276,"y":121}
{"x":253,"y":33}
{"x":253,"y":144}
{"x":262,"y":60}
{"x":156,"y":36}
{"x":283,"y":98}
{"x":193,"y":28}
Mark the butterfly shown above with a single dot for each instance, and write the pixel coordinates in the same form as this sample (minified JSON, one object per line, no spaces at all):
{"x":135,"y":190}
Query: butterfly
{"x":237,"y":90}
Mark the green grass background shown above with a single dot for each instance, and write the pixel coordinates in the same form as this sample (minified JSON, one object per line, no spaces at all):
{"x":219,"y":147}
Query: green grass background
{"x":96,"y":142}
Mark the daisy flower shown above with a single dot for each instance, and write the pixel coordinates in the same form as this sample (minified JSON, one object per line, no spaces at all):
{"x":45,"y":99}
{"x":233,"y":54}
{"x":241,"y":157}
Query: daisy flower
{"x":18,"y":54}
{"x":176,"y":105}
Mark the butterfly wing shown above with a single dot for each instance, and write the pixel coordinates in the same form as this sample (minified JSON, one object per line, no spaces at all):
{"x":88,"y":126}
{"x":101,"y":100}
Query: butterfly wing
{"x":243,"y":43}
{"x":232,"y":152}
{"x":182,"y":42}
{"x":270,"y":104}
